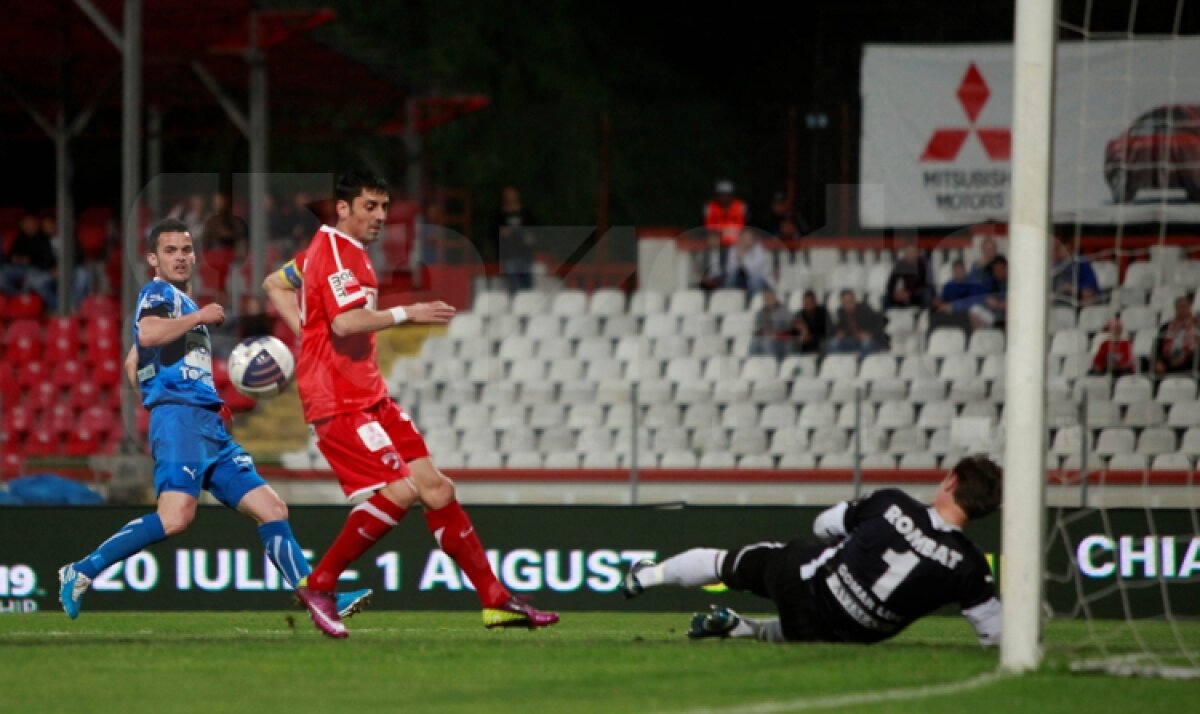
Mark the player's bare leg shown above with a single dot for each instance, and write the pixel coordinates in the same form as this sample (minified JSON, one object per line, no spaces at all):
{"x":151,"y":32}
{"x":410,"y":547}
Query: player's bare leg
{"x":456,"y":536}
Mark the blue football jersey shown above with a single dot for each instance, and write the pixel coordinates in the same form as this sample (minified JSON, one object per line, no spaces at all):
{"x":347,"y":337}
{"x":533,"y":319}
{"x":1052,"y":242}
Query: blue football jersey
{"x":178,"y":372}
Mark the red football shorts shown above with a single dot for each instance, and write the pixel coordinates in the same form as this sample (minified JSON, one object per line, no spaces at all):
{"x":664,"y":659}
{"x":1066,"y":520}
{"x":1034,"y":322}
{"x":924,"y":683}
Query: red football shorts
{"x":369,"y":449}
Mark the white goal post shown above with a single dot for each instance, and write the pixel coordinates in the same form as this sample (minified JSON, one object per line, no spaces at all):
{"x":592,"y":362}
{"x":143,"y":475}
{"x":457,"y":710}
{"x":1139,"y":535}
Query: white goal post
{"x":1025,"y":414}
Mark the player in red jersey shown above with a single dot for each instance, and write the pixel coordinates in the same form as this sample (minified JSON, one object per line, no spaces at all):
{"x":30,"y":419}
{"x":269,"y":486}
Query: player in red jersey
{"x":372,"y":446}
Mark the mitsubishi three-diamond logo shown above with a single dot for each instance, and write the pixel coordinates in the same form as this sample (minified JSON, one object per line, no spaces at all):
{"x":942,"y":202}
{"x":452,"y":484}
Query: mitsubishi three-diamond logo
{"x":946,"y":143}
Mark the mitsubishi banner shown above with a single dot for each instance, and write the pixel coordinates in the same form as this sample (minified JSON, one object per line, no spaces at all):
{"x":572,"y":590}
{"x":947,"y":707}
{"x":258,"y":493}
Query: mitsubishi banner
{"x":1117,"y":564}
{"x":937,"y":133}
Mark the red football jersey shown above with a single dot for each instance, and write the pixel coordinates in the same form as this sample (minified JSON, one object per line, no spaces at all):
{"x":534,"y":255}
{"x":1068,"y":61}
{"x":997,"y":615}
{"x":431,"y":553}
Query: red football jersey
{"x":336,"y":375}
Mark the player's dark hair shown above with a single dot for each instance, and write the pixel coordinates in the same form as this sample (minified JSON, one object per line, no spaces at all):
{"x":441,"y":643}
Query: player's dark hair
{"x":351,"y":184}
{"x":980,"y":485}
{"x":167,"y":225}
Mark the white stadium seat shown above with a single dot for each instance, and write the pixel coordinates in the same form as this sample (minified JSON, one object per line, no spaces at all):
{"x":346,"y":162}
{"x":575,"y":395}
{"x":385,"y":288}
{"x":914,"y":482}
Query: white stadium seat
{"x":1144,"y":413}
{"x":727,"y":301}
{"x":620,"y":326}
{"x":686,"y":302}
{"x":1156,"y":440}
{"x":678,"y":460}
{"x":893,"y":415}
{"x":569,"y":302}
{"x":494,"y":302}
{"x":1127,"y":462}
{"x":1132,"y":388}
{"x":606,"y":302}
{"x":946,"y":341}
{"x":1068,"y":342}
{"x":1172,"y":462}
{"x":602,"y":460}
{"x":524,"y":460}
{"x":647,"y":302}
{"x":531,"y":302}
{"x":1115,"y":440}
{"x":756,"y":461}
{"x":1184,"y":414}
{"x":1174,"y":389}
{"x":717,"y":460}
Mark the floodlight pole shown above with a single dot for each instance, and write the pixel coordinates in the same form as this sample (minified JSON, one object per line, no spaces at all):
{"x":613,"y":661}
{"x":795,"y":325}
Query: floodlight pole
{"x":1025,"y":412}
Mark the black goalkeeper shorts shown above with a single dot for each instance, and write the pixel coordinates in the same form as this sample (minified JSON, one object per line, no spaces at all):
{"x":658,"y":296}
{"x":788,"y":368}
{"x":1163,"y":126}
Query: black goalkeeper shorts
{"x":772,"y":570}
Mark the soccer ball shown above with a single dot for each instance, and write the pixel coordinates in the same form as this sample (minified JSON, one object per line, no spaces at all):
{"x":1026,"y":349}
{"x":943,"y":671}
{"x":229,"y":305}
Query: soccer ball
{"x":261,"y":367}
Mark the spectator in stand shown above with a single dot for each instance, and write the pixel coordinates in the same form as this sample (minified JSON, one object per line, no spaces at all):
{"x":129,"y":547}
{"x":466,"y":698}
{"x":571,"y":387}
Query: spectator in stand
{"x":222,"y":229}
{"x":30,"y":265}
{"x":772,"y":327}
{"x":858,"y":328}
{"x":726,"y":214}
{"x":1177,"y":340}
{"x":981,"y":269}
{"x":81,"y":279}
{"x":1115,"y":356}
{"x":781,"y":221}
{"x":990,"y":309}
{"x":710,"y":262}
{"x":192,"y":212}
{"x":811,"y":325}
{"x":1072,"y":279}
{"x":959,"y":294}
{"x":911,"y":281}
{"x":515,"y":240}
{"x":748,"y":265}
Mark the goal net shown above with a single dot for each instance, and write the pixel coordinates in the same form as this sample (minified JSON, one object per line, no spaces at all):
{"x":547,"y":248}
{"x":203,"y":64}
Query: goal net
{"x":1122,"y":553}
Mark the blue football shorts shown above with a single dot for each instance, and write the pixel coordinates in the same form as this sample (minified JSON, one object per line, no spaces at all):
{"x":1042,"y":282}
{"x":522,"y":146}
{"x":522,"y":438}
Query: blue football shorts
{"x":192,"y":451}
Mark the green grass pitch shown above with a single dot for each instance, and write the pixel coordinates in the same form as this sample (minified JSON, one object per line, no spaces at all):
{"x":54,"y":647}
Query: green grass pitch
{"x":591,"y":662}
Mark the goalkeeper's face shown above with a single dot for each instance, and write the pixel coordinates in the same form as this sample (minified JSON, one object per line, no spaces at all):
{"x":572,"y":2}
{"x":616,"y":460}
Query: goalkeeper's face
{"x":174,"y":258}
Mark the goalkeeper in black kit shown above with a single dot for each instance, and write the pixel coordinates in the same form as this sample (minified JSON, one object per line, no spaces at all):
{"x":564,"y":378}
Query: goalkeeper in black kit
{"x":880,"y":563}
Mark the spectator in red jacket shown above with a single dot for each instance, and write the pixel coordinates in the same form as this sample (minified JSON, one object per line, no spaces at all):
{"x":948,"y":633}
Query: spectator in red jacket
{"x":726,"y":214}
{"x":1115,"y":355}
{"x":1178,"y":340}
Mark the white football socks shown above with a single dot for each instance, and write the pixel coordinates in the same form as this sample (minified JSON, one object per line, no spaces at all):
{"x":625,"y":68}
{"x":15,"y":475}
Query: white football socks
{"x":690,"y":569}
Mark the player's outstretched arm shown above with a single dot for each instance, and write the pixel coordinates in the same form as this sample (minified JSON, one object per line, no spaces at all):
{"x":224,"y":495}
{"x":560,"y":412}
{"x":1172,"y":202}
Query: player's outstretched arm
{"x":360,"y":320}
{"x":283,"y":296}
{"x":154,"y":331}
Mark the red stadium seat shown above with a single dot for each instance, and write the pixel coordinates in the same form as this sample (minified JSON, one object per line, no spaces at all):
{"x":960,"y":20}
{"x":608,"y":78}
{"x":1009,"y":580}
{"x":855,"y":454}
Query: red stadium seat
{"x":10,"y":391}
{"x":41,"y":442}
{"x":66,"y":373}
{"x":62,"y":339}
{"x":105,"y":346}
{"x":107,"y":372}
{"x":94,"y":306}
{"x":18,"y":422}
{"x":84,"y":394}
{"x":11,"y":462}
{"x":82,"y":443}
{"x":94,"y":327}
{"x":24,"y":306}
{"x":99,"y":420}
{"x":23,"y":341}
{"x":43,"y":396}
{"x":31,"y":374}
{"x":61,"y":419}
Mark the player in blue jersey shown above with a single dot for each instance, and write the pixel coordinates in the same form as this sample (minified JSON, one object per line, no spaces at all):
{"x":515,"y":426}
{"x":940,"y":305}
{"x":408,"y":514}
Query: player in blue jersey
{"x":171,"y":365}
